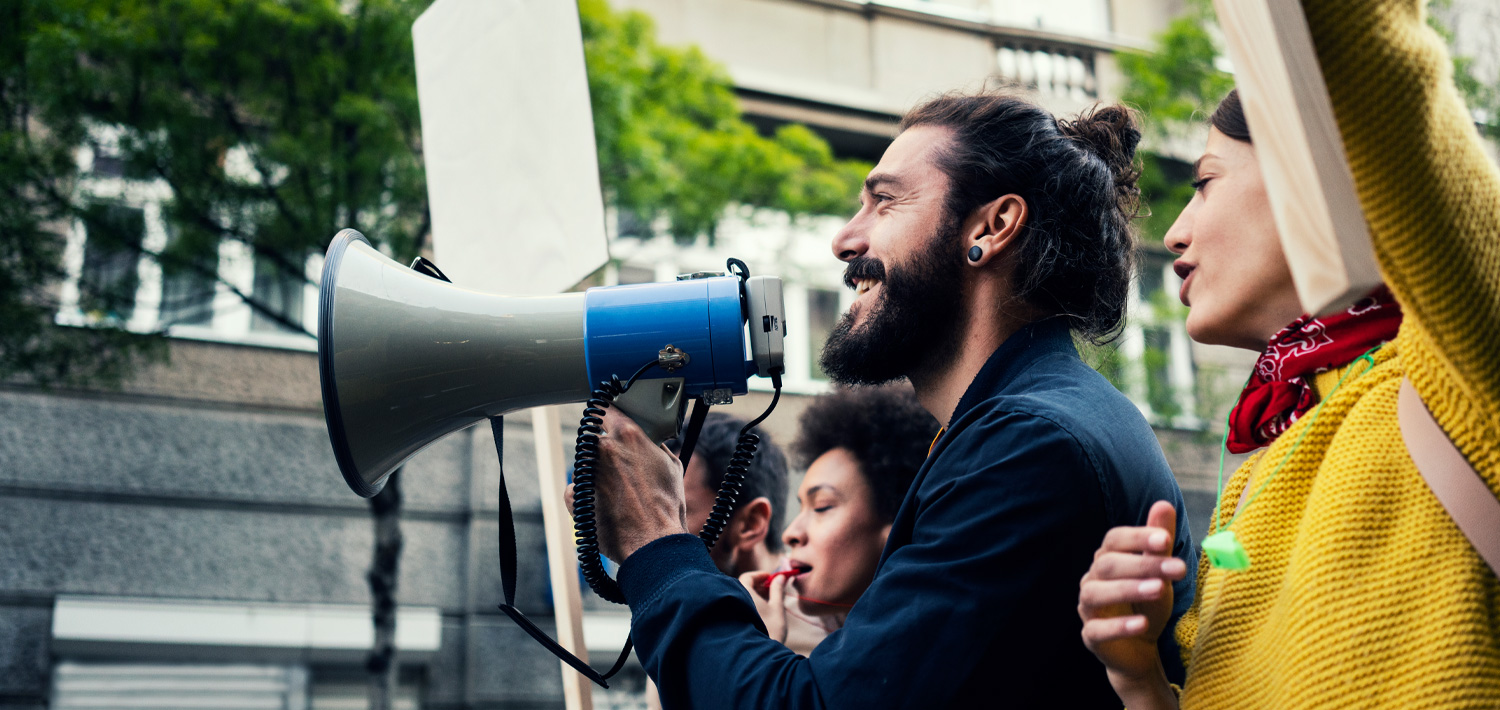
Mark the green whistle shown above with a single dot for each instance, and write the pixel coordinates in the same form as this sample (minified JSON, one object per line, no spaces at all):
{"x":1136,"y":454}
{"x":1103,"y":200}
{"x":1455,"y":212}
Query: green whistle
{"x":1225,"y":551}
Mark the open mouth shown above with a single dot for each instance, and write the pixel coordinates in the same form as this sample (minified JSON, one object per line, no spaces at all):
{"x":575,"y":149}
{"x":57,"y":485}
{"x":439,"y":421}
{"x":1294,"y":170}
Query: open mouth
{"x":863,"y":274}
{"x":792,"y":572}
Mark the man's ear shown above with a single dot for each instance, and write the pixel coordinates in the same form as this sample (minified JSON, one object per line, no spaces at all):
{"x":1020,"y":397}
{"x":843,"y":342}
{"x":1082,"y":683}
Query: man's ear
{"x":992,"y":228}
{"x":751,"y":523}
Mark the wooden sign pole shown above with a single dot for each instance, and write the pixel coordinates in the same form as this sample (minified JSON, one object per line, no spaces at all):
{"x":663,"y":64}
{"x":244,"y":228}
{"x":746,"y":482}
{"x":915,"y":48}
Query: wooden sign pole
{"x":1301,"y":153}
{"x":487,"y":72}
{"x":562,"y":565}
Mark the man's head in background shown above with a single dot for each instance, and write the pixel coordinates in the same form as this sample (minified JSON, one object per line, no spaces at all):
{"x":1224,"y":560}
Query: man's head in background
{"x":752,"y":539}
{"x":863,"y":447}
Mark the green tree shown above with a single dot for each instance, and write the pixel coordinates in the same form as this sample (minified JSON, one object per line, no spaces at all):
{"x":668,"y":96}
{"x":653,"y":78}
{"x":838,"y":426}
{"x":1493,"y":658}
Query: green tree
{"x":1175,"y":85}
{"x":276,"y":123}
{"x":1483,"y":97}
{"x":672,"y":142}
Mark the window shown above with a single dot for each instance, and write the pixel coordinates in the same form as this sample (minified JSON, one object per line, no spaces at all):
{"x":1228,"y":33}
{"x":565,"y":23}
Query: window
{"x":1161,"y":376}
{"x":188,"y":290}
{"x":109,"y":277}
{"x":114,"y":275}
{"x":280,"y":290}
{"x":92,"y":685}
{"x":823,"y":311}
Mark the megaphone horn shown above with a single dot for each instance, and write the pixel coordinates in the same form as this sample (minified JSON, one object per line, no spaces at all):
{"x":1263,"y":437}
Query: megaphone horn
{"x":406,"y":358}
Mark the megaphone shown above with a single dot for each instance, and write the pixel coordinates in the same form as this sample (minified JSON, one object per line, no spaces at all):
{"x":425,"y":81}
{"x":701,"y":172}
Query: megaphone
{"x":406,"y":358}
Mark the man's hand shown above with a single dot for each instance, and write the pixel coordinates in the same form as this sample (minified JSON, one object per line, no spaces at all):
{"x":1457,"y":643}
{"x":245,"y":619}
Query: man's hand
{"x":638,"y":489}
{"x":1125,"y":601}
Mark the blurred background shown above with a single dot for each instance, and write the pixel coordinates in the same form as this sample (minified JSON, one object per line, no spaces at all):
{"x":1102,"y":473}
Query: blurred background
{"x":171,"y":172}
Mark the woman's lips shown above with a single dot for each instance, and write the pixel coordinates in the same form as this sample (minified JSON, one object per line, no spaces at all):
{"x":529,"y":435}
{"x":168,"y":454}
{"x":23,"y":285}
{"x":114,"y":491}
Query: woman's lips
{"x":1184,"y":272}
{"x":791,"y":573}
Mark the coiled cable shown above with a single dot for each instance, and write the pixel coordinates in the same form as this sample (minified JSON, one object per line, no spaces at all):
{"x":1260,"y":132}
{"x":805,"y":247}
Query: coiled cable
{"x":585,"y":461}
{"x":734,"y":476}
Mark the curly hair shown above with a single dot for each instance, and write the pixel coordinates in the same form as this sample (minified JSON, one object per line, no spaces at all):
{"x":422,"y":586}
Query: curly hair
{"x":885,"y":429}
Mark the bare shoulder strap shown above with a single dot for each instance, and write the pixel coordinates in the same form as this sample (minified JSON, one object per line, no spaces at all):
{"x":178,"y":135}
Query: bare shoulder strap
{"x":1455,"y":483}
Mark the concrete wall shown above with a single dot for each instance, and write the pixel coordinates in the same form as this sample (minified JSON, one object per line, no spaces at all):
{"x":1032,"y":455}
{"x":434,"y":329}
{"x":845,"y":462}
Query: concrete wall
{"x":212,"y":478}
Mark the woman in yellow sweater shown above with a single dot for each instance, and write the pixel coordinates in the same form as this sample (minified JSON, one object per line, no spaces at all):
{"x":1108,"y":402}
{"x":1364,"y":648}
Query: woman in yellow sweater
{"x":1360,"y":590}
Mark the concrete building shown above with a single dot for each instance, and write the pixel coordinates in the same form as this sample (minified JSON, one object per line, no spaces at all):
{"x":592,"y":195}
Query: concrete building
{"x":188,"y":538}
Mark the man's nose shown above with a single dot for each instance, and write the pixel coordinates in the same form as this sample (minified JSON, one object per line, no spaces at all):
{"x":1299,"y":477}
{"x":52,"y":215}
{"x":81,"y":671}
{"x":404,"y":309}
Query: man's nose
{"x":851,"y":242}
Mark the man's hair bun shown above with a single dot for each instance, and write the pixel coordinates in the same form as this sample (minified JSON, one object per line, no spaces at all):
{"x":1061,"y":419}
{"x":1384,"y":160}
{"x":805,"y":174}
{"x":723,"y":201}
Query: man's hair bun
{"x":1111,"y":133}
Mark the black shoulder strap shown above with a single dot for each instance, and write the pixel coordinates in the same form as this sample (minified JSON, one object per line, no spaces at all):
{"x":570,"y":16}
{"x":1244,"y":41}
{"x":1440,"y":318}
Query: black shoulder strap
{"x":508,"y":578}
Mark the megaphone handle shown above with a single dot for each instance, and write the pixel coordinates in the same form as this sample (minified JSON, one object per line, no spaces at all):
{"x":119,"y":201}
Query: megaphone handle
{"x":508,"y":565}
{"x":690,"y":433}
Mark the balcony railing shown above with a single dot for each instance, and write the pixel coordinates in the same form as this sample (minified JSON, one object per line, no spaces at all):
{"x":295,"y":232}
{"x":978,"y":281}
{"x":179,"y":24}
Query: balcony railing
{"x":1066,"y":72}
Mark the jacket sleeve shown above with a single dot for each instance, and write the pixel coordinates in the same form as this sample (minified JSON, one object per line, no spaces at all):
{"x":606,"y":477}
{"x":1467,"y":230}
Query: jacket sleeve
{"x":1006,"y":519}
{"x":1432,"y":200}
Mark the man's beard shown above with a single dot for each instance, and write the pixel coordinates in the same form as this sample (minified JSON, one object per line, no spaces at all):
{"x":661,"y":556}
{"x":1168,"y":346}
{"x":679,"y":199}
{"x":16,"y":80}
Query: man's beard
{"x":912,"y":327}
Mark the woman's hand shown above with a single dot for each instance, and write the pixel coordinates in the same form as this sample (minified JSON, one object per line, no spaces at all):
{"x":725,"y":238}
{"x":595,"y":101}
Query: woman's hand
{"x":1125,"y":601}
{"x":771,"y":590}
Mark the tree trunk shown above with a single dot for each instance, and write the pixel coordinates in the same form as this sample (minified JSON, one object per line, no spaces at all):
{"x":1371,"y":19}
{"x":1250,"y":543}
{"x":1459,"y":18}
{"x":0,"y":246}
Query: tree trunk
{"x":381,"y":663}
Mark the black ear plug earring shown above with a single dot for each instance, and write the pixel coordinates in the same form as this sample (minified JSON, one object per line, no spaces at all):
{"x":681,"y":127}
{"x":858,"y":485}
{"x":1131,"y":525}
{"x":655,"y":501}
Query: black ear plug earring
{"x":975,"y":253}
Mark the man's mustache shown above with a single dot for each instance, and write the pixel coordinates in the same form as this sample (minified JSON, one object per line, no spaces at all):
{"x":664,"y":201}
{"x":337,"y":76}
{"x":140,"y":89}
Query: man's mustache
{"x":863,"y":268}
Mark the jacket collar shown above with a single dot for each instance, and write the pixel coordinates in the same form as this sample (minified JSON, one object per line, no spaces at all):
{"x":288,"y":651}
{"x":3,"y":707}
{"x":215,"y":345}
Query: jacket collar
{"x":1014,"y":356}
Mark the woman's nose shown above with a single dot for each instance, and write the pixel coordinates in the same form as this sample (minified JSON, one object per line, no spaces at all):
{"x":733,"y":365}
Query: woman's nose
{"x":794,"y":535}
{"x":1180,"y":235}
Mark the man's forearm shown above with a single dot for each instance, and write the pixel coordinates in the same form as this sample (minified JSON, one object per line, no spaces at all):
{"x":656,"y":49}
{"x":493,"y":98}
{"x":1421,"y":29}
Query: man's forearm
{"x":699,"y":636}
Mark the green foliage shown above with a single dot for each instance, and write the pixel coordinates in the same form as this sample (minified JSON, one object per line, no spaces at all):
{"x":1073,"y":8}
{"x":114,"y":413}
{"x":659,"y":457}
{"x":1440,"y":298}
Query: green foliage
{"x":1107,"y":360}
{"x":1483,"y":99}
{"x":1175,"y":85}
{"x":672,"y":142}
{"x":278,"y":122}
{"x":36,"y":165}
{"x":1177,"y":81}
{"x":1166,"y":188}
{"x":321,"y":100}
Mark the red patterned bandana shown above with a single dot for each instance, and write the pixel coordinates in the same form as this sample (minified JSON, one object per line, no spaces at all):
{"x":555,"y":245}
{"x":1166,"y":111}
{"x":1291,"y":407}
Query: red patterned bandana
{"x":1281,"y":389}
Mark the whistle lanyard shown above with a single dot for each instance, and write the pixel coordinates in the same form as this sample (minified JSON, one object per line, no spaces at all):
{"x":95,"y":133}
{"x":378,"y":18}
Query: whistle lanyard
{"x":1223,"y":549}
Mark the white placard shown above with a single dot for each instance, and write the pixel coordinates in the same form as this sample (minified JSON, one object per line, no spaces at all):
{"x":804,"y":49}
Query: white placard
{"x":1301,"y":152}
{"x":508,"y":140}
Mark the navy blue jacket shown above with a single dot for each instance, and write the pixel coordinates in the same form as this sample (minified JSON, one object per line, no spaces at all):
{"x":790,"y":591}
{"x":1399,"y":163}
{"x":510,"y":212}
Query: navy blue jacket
{"x":975,"y":599}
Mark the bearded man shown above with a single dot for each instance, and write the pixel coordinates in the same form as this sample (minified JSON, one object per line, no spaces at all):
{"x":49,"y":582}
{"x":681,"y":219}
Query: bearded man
{"x":987,"y":236}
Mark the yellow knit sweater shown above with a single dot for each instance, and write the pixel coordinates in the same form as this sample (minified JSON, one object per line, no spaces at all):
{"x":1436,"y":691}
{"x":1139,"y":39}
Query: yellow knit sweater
{"x":1362,"y":591}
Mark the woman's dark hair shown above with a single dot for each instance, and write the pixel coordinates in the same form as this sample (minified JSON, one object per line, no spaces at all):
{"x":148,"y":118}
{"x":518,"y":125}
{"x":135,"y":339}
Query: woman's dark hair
{"x":885,"y":429}
{"x":1078,"y":180}
{"x":1229,"y":118}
